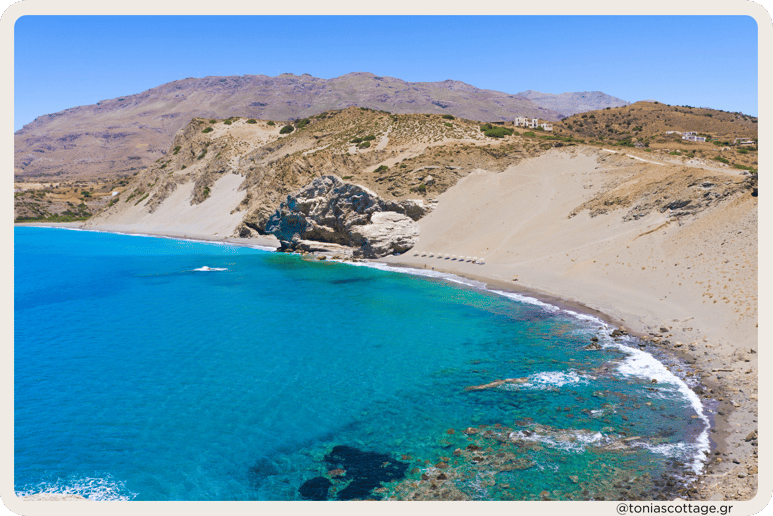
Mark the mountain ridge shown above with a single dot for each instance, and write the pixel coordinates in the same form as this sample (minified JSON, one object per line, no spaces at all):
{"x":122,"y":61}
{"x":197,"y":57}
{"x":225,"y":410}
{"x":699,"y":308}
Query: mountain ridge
{"x":121,"y":135}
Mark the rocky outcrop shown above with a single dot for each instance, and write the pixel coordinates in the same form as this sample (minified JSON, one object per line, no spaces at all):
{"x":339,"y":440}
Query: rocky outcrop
{"x":333,"y":211}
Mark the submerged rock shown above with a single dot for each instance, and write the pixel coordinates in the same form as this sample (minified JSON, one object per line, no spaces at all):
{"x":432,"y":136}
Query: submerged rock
{"x":315,"y":489}
{"x":365,"y":471}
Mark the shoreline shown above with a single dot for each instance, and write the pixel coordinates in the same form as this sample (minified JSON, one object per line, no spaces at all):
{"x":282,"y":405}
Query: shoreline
{"x":714,"y":402}
{"x":713,"y":393}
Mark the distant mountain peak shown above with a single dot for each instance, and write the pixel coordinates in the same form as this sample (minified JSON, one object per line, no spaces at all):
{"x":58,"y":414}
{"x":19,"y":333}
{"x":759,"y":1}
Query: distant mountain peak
{"x":571,"y":103}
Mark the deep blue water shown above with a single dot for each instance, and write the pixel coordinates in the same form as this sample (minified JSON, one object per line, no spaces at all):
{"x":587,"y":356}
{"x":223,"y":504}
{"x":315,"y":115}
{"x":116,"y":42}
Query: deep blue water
{"x":139,"y":377}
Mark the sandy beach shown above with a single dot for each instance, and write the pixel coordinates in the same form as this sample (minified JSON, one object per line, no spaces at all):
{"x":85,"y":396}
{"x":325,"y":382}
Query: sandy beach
{"x":686,"y":284}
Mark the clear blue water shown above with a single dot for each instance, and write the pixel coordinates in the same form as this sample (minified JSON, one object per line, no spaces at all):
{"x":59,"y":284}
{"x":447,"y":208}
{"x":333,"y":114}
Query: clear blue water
{"x":138,"y":377}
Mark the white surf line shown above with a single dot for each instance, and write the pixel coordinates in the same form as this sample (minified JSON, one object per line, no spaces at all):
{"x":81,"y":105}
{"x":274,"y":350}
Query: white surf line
{"x":637,"y":363}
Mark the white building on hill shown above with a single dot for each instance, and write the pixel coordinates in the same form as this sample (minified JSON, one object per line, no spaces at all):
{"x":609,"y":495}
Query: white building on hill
{"x":692,"y":136}
{"x":522,"y":121}
{"x":532,"y":123}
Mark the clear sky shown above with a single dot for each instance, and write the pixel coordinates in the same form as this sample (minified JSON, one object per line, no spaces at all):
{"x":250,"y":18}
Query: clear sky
{"x":707,"y":61}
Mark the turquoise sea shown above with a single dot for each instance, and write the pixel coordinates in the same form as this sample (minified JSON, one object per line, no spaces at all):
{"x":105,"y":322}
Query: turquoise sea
{"x":159,"y":369}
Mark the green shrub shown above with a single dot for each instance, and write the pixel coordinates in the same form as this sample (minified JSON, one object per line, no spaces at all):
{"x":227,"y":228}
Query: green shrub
{"x":743,"y":151}
{"x":286,"y":129}
{"x":207,"y":130}
{"x":674,"y":153}
{"x":213,"y":121}
{"x":205,"y":192}
{"x":381,"y":168}
{"x":203,"y":153}
{"x":176,"y":150}
{"x":721,"y":160}
{"x":270,"y":123}
{"x":345,"y":178}
{"x":364,"y":145}
{"x":486,"y":127}
{"x":369,"y":138}
{"x":355,"y":140}
{"x":498,"y":132}
{"x":447,"y":124}
{"x":227,"y":122}
{"x":448,"y":117}
{"x":530,"y":133}
{"x":252,"y":121}
{"x":300,"y":124}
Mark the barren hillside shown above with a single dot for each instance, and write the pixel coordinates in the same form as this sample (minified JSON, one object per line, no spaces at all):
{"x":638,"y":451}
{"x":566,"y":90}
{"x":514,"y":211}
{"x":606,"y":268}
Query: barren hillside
{"x":119,"y":136}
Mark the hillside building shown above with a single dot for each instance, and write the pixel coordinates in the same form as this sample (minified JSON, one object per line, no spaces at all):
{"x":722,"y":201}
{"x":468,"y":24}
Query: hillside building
{"x":693,"y":137}
{"x":522,"y":121}
{"x":690,"y":136}
{"x":532,"y":123}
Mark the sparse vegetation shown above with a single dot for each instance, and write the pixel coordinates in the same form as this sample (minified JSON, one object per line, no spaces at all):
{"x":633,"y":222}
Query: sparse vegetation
{"x":721,"y":160}
{"x":176,"y":150}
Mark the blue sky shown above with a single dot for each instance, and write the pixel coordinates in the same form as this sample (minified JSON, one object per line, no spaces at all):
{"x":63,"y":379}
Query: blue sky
{"x":66,"y":61}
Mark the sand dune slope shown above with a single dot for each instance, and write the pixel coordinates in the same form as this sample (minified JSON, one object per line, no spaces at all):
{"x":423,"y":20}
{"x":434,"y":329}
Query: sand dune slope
{"x":176,"y":216}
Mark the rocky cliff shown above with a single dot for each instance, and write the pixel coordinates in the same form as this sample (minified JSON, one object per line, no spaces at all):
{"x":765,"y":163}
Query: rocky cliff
{"x":332,"y":211}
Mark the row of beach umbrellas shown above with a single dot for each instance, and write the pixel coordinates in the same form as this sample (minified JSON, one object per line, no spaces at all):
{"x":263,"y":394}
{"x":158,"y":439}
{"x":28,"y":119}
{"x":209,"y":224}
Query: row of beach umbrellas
{"x":441,"y":256}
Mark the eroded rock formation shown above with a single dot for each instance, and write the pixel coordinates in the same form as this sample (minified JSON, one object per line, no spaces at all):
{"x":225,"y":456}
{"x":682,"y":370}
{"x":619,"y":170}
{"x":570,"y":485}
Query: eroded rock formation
{"x":330,"y":210}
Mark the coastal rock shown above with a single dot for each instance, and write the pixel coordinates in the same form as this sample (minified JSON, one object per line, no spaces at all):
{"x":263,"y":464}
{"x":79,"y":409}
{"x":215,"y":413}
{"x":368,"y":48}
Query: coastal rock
{"x":332,"y":211}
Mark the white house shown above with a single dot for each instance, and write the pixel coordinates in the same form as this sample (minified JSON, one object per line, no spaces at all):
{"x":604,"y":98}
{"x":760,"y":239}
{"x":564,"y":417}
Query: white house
{"x":692,"y":136}
{"x":547,"y":127}
{"x":522,"y":121}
